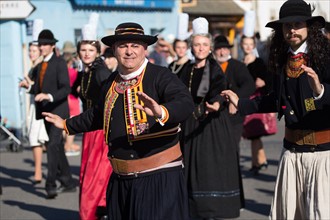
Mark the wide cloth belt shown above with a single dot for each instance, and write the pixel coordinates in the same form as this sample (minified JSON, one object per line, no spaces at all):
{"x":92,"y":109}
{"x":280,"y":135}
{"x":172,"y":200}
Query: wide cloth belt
{"x":307,"y":137}
{"x":139,"y":165}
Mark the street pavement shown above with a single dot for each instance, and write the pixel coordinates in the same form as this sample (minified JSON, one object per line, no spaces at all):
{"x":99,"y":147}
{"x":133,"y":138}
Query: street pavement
{"x":21,"y":200}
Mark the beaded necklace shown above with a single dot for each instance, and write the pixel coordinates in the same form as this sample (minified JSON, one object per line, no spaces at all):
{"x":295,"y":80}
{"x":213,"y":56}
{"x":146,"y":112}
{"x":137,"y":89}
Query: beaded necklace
{"x":174,"y":68}
{"x":85,"y":90}
{"x":191,"y":76}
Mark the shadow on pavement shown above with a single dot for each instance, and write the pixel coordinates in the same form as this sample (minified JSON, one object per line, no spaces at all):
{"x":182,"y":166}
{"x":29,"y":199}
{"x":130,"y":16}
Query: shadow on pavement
{"x":16,"y":175}
{"x":254,"y":206}
{"x":44,"y":211}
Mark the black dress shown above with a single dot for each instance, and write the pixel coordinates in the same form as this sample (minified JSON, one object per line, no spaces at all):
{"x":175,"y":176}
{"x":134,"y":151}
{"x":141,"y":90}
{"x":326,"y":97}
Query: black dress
{"x":178,"y":69}
{"x":210,"y":158}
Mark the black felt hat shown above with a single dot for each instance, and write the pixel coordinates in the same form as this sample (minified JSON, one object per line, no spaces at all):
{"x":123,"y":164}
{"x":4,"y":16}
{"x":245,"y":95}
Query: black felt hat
{"x":129,"y":31}
{"x":221,"y":41}
{"x":295,"y":11}
{"x":46,"y":37}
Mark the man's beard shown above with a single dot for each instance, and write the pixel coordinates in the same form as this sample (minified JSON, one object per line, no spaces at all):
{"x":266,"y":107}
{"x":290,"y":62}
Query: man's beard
{"x":223,"y":59}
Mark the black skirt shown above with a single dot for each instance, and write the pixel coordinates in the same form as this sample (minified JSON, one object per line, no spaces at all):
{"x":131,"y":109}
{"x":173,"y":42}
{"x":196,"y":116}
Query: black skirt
{"x":161,"y":195}
{"x":211,"y":167}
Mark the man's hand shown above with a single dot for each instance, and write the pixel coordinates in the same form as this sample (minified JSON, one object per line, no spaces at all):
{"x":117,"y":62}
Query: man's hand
{"x":150,"y":107}
{"x":56,"y":120}
{"x":259,"y":83}
{"x":212,"y":107}
{"x":24,"y":83}
{"x":313,"y":80}
{"x":41,"y":97}
{"x":230,"y":96}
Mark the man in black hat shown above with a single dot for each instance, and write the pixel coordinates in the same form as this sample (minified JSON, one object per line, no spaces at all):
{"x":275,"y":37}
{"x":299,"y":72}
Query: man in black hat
{"x":239,"y":78}
{"x":140,"y":111}
{"x":300,"y":61}
{"x":51,"y":90}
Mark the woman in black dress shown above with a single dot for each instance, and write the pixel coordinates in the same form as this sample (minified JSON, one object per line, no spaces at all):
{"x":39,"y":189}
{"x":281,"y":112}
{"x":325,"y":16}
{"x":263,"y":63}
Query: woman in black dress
{"x":258,"y":71}
{"x":178,"y":66}
{"x":211,"y":164}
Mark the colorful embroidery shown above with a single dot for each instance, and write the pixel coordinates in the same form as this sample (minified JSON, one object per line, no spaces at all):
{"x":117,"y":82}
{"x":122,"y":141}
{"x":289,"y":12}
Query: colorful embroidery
{"x":309,"y":104}
{"x":137,"y":126}
{"x":136,"y":120}
{"x":110,"y":100}
{"x":293,"y":67}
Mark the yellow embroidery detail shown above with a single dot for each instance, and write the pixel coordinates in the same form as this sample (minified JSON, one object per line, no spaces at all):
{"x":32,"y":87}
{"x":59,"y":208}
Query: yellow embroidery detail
{"x":309,"y":104}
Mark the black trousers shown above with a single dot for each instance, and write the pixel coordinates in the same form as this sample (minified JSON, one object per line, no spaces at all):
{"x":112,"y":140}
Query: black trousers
{"x":158,"y":196}
{"x":57,"y":163}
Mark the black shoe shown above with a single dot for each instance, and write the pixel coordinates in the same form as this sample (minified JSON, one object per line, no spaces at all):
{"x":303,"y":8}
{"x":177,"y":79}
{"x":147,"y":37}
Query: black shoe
{"x":255,"y":170}
{"x":63,"y":189}
{"x":263,"y":166}
{"x":36,"y":182}
{"x":51,"y":193}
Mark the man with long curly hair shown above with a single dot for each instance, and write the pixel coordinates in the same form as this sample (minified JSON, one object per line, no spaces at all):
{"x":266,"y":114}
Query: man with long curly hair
{"x":300,"y":61}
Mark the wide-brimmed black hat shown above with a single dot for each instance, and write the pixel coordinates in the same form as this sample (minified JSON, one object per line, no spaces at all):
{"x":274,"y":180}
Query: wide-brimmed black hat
{"x":221,"y":41}
{"x":295,"y":11}
{"x":46,"y":37}
{"x":129,"y":31}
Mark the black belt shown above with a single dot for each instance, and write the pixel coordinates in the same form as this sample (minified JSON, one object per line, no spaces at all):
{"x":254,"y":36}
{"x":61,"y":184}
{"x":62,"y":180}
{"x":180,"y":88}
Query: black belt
{"x":297,"y":148}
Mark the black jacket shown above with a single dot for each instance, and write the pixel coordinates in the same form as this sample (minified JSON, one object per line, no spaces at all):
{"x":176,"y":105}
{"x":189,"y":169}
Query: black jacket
{"x":56,"y":82}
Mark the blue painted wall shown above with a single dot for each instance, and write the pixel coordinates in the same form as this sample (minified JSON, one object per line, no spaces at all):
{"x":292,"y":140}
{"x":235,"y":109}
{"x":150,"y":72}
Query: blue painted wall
{"x":60,"y":17}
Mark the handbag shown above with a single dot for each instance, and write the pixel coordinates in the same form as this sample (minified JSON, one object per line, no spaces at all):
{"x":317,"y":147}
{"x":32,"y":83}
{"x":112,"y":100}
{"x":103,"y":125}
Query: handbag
{"x":259,"y":124}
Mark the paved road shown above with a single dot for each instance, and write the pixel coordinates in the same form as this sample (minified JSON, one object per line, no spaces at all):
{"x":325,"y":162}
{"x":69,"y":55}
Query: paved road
{"x":21,"y":200}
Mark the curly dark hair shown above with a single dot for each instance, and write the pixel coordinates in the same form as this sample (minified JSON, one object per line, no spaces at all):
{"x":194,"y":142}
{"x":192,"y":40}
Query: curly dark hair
{"x":317,"y":45}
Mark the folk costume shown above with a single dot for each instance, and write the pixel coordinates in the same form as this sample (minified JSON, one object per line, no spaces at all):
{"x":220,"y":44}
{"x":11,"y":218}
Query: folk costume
{"x":182,"y":35}
{"x":93,"y":180}
{"x":240,"y":81}
{"x":144,"y":151}
{"x":53,"y":79}
{"x":302,"y":185}
{"x":211,"y":163}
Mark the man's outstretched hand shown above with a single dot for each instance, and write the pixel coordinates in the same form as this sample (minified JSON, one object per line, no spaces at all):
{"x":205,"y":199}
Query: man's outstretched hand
{"x":56,"y":120}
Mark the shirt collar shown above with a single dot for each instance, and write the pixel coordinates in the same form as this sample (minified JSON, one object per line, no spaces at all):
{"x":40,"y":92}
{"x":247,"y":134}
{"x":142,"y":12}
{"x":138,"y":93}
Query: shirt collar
{"x":301,"y":49}
{"x":47,"y":58}
{"x":135,"y":73}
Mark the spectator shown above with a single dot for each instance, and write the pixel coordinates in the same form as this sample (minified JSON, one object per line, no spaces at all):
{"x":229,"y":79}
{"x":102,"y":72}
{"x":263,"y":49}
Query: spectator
{"x":110,"y":59}
{"x":255,"y":125}
{"x":51,"y":90}
{"x":36,"y":128}
{"x":69,"y":55}
{"x":158,"y":56}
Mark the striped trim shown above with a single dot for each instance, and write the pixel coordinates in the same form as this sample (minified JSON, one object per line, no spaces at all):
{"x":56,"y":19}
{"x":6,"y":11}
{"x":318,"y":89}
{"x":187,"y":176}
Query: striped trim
{"x":166,"y":116}
{"x":231,"y":193}
{"x":65,"y":127}
{"x":123,"y":31}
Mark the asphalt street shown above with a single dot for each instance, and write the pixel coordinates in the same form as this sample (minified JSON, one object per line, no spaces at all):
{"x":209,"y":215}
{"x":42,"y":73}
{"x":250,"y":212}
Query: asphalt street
{"x":21,"y":200}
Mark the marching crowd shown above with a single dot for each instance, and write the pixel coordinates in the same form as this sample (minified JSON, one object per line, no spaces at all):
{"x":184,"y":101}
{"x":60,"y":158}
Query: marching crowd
{"x":157,"y":127}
